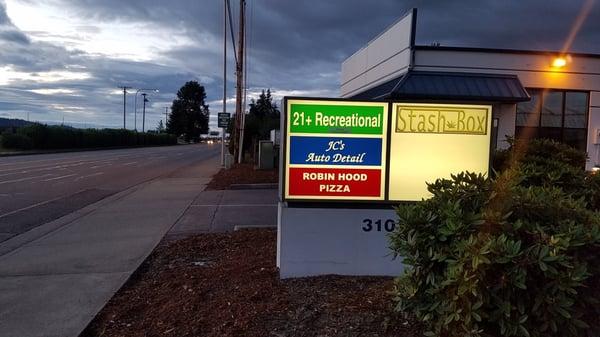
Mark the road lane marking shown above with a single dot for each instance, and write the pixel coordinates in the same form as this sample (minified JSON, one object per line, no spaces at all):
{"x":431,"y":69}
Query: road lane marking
{"x":34,"y":205}
{"x":127,"y":164}
{"x":88,"y":176}
{"x":97,"y":166}
{"x":46,"y":168}
{"x":61,"y":177}
{"x":237,"y":205}
{"x":23,"y":179}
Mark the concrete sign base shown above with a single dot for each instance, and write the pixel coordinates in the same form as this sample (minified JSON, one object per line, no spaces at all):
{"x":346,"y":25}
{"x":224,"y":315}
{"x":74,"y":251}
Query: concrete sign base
{"x":319,"y":241}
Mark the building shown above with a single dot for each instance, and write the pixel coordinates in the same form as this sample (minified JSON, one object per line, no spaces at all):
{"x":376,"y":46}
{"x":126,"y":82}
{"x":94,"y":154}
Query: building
{"x":533,"y":94}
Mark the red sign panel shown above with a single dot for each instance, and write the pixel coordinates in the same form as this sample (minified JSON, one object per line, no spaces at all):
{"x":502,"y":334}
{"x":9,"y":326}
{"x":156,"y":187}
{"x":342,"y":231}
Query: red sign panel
{"x":334,"y":182}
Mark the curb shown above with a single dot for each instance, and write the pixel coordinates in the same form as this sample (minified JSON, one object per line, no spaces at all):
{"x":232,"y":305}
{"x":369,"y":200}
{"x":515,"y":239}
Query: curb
{"x":242,"y":227}
{"x":20,"y":240}
{"x":40,"y":231}
{"x":266,"y":186}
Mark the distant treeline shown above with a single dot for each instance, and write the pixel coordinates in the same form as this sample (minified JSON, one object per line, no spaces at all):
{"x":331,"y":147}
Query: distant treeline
{"x":12,"y":122}
{"x":46,"y":137}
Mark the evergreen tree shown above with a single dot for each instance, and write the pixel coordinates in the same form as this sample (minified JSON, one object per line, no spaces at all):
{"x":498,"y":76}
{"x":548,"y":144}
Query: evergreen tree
{"x":262,"y":118}
{"x":189,"y":112}
{"x":160,"y":128}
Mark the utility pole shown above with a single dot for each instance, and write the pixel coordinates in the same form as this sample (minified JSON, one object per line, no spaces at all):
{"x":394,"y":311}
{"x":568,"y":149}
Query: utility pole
{"x":239,"y":71}
{"x":144,"y":113}
{"x":124,"y":103}
{"x":166,"y":114}
{"x":224,"y":78}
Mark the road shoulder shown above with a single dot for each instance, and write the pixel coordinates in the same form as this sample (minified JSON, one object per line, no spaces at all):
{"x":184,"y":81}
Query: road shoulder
{"x":79,"y":261}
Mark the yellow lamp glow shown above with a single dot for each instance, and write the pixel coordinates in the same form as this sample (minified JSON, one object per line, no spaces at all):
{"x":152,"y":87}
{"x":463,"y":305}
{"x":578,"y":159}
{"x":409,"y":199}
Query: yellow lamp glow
{"x":559,"y":62}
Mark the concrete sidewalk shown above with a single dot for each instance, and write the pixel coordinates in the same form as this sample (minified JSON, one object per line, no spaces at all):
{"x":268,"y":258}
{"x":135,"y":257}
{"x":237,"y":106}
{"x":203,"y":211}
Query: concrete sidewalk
{"x":55,"y":278}
{"x":226,"y":210}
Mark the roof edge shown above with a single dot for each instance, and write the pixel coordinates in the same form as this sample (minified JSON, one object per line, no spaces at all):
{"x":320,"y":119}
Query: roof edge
{"x":505,"y":51}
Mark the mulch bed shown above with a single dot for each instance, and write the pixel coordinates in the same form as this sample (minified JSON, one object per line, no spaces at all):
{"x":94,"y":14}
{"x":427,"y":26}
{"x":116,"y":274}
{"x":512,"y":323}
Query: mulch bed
{"x":228,"y":285}
{"x":241,"y":174}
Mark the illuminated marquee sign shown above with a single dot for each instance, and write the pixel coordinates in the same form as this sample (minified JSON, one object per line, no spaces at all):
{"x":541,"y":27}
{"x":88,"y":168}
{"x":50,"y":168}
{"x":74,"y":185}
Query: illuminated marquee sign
{"x":335,"y":150}
{"x":339,"y":150}
{"x":431,"y":141}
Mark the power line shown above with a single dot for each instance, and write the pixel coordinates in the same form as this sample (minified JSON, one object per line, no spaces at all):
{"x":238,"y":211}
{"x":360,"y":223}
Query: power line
{"x":231,"y":30}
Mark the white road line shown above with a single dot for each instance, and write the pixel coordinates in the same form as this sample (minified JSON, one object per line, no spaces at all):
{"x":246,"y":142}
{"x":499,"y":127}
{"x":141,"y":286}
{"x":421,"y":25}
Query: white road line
{"x":45,"y":168}
{"x":88,"y":176}
{"x":133,"y":162}
{"x":97,"y":166}
{"x":61,"y":177}
{"x":4,"y":195}
{"x":34,"y":205}
{"x":237,"y":205}
{"x":23,"y":179}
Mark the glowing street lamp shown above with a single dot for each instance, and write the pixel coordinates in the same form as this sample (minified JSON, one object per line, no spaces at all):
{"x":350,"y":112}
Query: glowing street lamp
{"x":559,"y":62}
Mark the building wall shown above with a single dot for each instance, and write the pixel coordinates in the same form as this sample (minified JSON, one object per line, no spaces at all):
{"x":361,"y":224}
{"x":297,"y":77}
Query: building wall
{"x":593,"y":129}
{"x":383,"y":58}
{"x":507,"y":116}
{"x":534,"y":71}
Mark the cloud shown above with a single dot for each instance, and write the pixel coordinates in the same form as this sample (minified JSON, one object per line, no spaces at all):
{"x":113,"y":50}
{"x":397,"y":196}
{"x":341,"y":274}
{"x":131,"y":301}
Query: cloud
{"x":294,"y":47}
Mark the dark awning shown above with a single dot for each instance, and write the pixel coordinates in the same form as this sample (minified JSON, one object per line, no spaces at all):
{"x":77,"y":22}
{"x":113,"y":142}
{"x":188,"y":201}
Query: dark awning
{"x":450,"y":87}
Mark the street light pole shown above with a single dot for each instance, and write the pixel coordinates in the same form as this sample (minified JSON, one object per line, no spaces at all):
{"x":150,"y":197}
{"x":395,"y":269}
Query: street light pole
{"x":166,"y":118}
{"x":144,"y":113}
{"x":135,"y":103}
{"x":224,"y":79}
{"x":124,"y":103}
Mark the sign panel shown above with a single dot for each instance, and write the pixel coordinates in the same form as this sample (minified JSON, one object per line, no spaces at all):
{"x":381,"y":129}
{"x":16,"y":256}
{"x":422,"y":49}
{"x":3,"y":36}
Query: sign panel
{"x":223,"y":119}
{"x":335,"y":150}
{"x":431,"y":141}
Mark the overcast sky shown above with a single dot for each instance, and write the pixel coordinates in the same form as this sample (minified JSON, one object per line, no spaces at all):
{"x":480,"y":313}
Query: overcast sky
{"x":65,"y":59}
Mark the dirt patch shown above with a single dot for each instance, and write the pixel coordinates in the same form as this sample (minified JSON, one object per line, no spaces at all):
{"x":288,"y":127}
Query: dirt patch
{"x":241,"y":174}
{"x":228,"y":285}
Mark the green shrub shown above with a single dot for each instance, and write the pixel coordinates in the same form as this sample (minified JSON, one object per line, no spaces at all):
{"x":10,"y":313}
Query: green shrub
{"x":543,"y":162}
{"x":517,"y":255}
{"x":61,"y":137}
{"x":16,"y":141}
{"x":546,"y":150}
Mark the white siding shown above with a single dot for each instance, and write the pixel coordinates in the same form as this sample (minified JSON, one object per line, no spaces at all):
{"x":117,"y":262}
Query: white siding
{"x":595,"y":99}
{"x":507,"y":116}
{"x":534,"y":71}
{"x":593,"y":149}
{"x":385,"y":57}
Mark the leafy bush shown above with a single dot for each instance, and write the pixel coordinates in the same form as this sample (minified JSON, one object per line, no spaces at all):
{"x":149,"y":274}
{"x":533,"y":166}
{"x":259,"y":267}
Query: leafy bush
{"x":543,"y":162}
{"x":15,"y":141}
{"x":61,"y":137}
{"x":517,"y":255}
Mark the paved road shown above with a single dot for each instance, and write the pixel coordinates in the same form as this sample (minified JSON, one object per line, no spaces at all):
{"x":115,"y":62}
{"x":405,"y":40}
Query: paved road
{"x":36,"y":189}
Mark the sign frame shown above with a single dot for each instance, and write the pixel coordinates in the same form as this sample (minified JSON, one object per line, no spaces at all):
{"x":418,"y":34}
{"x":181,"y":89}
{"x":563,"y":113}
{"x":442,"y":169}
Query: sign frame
{"x":386,"y":202}
{"x":220,"y":118}
{"x":333,"y":200}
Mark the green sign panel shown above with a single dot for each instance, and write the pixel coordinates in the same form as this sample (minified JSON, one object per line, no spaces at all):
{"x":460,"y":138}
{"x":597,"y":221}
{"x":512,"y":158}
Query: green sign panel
{"x":348,"y":119}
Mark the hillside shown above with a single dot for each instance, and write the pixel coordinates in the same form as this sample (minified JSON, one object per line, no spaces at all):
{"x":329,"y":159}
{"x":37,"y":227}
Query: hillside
{"x":8,"y":122}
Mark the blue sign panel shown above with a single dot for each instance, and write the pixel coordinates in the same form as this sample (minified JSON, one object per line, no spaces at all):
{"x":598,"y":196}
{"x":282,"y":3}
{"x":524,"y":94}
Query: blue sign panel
{"x":335,"y":151}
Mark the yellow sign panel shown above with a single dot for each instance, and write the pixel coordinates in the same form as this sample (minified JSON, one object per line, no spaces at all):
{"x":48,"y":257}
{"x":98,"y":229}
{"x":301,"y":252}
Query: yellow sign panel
{"x":436,"y":119}
{"x":431,"y":141}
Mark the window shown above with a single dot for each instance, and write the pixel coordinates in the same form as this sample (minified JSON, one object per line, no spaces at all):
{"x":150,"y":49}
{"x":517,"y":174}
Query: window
{"x":555,"y":114}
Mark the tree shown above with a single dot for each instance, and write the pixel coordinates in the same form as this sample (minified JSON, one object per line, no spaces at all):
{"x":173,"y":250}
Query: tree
{"x":160,"y":128}
{"x":189,"y":112}
{"x":264,"y":107}
{"x":262,"y":118}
